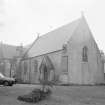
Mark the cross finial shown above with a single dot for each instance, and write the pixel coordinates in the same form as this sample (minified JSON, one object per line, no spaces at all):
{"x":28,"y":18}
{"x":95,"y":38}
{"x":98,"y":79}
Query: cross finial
{"x":37,"y":34}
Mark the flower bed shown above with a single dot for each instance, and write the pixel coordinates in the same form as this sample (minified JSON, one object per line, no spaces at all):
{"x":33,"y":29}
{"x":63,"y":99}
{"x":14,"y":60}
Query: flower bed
{"x":35,"y":96}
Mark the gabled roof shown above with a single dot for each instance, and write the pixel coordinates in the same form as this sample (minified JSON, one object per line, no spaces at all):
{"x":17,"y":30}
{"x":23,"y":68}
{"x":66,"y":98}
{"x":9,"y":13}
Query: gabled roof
{"x":54,"y":40}
{"x":8,"y":51}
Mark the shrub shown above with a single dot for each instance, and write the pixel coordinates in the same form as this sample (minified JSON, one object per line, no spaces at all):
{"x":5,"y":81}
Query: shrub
{"x":35,"y":96}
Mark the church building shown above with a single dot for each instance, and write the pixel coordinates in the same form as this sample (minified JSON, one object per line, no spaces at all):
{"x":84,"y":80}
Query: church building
{"x":71,"y":50}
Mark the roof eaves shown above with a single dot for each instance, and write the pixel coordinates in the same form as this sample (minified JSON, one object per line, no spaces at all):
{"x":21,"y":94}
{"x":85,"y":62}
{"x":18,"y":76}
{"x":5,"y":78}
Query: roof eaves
{"x":30,"y":47}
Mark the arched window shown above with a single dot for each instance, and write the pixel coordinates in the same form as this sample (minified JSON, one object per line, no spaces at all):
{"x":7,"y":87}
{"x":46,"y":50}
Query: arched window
{"x":85,"y":54}
{"x":25,"y":67}
{"x":35,"y":65}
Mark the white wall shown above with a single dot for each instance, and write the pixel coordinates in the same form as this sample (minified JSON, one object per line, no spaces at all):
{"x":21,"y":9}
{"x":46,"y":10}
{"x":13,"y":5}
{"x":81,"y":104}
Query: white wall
{"x":90,"y":72}
{"x":34,"y":76}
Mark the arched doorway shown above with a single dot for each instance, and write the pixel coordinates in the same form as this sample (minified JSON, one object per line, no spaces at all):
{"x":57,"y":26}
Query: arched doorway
{"x":46,"y":67}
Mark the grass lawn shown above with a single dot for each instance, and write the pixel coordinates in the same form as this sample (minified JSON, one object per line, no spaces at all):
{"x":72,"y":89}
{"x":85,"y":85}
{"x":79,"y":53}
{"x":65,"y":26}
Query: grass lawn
{"x":77,"y":95}
{"x":61,"y":95}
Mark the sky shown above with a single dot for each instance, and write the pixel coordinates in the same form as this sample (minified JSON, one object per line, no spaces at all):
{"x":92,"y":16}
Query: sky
{"x":22,"y":20}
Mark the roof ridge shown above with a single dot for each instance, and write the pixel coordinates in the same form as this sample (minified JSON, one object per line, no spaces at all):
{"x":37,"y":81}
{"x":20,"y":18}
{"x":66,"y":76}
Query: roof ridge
{"x":5,"y":44}
{"x":46,"y":34}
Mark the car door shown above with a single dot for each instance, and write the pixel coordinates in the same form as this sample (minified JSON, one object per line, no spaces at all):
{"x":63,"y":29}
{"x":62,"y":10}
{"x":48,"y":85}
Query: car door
{"x":1,"y":80}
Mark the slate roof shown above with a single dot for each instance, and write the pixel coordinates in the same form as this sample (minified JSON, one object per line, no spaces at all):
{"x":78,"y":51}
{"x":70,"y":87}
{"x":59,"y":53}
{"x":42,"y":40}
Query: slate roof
{"x":54,"y":40}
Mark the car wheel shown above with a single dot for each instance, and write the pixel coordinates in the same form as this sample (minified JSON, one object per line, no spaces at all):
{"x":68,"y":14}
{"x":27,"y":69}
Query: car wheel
{"x":11,"y":84}
{"x":6,"y":83}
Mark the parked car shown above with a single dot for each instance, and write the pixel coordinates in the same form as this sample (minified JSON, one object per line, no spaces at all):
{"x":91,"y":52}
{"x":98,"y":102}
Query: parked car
{"x":6,"y":81}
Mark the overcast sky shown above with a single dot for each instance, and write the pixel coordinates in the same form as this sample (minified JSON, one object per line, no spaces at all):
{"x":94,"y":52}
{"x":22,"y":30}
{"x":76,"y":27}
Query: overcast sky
{"x":21,"y":20}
